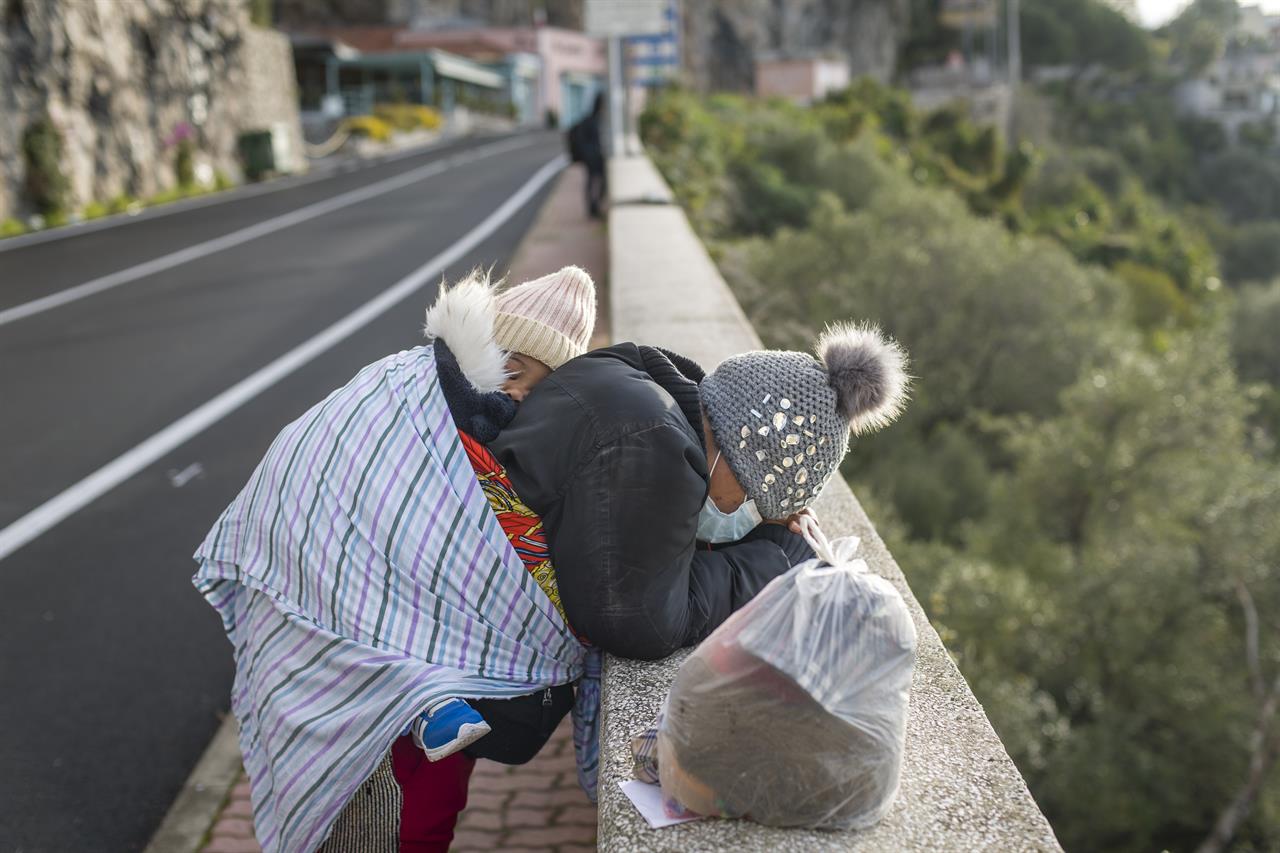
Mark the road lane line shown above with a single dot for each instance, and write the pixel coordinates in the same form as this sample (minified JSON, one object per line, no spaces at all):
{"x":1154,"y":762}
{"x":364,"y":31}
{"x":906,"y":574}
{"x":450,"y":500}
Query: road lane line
{"x":315,"y":175}
{"x":61,"y":506}
{"x":253,"y":232}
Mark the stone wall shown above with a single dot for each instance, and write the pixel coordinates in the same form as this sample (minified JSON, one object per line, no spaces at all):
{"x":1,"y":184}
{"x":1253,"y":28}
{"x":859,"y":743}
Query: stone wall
{"x":272,"y":91}
{"x":117,"y":78}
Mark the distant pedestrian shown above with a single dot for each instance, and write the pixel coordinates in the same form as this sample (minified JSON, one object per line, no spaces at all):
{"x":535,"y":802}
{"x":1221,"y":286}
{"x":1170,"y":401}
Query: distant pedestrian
{"x":586,"y":146}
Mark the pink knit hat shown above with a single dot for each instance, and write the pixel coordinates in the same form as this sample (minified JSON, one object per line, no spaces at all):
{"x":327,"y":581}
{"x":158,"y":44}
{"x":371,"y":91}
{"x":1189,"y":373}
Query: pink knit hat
{"x":549,"y":318}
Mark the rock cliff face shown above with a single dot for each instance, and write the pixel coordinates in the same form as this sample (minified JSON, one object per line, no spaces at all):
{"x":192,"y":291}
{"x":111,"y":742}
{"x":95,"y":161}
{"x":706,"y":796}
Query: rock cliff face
{"x":119,"y":77}
{"x":724,"y":37}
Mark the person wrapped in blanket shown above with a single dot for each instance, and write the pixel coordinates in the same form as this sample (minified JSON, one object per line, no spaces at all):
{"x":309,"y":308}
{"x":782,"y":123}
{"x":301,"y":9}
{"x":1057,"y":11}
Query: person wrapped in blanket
{"x":377,"y":567}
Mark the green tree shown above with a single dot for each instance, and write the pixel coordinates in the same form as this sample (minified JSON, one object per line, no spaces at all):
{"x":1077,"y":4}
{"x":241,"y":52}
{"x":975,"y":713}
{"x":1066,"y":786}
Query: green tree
{"x":1082,"y":32}
{"x":995,"y":325}
{"x":1204,"y":46}
{"x":1109,"y":512}
{"x":1255,"y":335}
{"x":1243,"y":184}
{"x":1251,"y":252}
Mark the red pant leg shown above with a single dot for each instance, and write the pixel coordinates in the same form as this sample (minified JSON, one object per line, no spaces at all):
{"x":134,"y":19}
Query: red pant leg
{"x":435,"y":792}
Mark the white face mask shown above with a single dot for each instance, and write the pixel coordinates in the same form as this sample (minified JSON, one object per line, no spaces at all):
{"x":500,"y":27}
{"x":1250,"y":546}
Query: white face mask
{"x":718,"y":527}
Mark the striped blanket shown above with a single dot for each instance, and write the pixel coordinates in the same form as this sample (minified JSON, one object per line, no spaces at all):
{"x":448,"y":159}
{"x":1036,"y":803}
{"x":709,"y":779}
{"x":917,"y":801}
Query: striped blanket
{"x":361,"y":576}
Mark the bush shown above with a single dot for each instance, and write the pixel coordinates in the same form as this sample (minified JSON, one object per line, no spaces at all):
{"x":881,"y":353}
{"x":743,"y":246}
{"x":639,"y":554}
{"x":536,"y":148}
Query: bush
{"x":123,"y":203}
{"x":1243,"y":183}
{"x":47,"y":188}
{"x":260,"y":13}
{"x":1154,"y":298}
{"x":165,"y":196}
{"x":1254,"y":341}
{"x":370,"y":127}
{"x":408,"y":116}
{"x":221,"y":181}
{"x":95,"y":210}
{"x":12,"y":227}
{"x":184,"y":165}
{"x":1082,"y":32}
{"x":1251,"y":252}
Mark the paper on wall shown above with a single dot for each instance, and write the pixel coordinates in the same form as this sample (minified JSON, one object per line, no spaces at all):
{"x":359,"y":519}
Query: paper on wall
{"x":655,"y":808}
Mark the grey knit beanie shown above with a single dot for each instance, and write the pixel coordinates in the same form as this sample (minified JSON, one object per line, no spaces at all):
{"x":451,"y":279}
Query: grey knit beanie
{"x":782,"y":419}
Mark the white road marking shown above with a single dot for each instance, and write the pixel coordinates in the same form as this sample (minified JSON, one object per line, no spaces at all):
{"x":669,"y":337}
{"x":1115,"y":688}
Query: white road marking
{"x":253,"y":232}
{"x":80,"y":495}
{"x":180,"y":478}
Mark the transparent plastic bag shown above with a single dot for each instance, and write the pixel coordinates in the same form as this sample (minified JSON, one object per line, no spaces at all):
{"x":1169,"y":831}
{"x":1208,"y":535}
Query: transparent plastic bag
{"x":793,"y":712}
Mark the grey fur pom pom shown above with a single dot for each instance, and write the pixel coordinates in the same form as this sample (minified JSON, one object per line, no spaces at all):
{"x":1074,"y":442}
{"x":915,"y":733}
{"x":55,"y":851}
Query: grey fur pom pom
{"x":868,"y":371}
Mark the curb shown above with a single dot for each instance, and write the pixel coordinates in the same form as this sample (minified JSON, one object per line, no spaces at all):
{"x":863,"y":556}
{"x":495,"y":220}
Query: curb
{"x":192,"y":814}
{"x":317,"y":172}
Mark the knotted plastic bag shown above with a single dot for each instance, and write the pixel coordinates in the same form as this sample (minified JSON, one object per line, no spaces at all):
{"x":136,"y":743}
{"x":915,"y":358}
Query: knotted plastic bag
{"x":793,"y":712}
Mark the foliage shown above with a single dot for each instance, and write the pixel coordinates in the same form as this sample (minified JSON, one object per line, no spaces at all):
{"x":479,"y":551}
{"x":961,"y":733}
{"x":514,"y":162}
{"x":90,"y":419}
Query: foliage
{"x":369,"y":126}
{"x":1243,"y":184}
{"x":165,"y":196}
{"x":1260,"y":136}
{"x":1199,"y":34}
{"x":927,"y":41}
{"x":1251,"y":252}
{"x":47,"y":188}
{"x":745,"y":168}
{"x":184,"y":167}
{"x":1154,"y":297}
{"x":408,"y":116}
{"x":260,"y":13}
{"x":1254,"y":337}
{"x":94,"y":210}
{"x":1104,"y":528}
{"x":221,"y":181}
{"x":12,"y":227}
{"x":123,"y":203}
{"x":1082,"y":32}
{"x":1081,"y":483}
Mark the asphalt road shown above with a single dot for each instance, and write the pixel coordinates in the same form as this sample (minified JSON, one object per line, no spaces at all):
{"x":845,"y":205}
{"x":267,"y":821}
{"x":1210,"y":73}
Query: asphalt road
{"x":114,"y":672}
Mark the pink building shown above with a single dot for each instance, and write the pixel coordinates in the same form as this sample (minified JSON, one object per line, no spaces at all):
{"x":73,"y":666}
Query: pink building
{"x":573,"y":65}
{"x":801,"y":80}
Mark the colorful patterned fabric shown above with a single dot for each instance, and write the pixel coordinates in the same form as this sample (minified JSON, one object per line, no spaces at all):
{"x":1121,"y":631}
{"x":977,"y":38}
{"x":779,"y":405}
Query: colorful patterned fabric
{"x":361,"y":576}
{"x":527,"y":535}
{"x":522,"y":525}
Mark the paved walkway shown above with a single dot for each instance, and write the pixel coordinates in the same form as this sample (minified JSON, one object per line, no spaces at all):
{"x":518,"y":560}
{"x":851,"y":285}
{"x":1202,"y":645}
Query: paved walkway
{"x":563,"y":234}
{"x":539,"y":806}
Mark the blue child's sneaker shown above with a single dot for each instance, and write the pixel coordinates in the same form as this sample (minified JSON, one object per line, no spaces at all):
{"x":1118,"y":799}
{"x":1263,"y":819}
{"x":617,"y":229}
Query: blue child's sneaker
{"x":447,"y":727}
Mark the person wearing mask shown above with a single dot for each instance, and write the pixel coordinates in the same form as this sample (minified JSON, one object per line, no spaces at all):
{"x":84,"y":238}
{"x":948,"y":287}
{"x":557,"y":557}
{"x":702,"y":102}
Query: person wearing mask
{"x":652,"y":479}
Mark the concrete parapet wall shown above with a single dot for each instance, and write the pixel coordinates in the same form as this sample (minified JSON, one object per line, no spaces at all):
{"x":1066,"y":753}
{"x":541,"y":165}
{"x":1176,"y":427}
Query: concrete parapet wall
{"x":960,"y":790}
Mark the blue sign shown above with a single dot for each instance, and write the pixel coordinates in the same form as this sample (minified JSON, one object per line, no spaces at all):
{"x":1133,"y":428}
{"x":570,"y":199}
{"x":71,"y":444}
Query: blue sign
{"x":654,"y":60}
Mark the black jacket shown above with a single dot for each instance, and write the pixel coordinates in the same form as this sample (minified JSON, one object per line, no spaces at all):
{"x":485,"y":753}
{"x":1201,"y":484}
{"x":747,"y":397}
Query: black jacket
{"x":608,"y":450}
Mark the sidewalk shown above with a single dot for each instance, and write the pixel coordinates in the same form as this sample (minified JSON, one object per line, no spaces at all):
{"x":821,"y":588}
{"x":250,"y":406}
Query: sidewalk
{"x":539,"y":806}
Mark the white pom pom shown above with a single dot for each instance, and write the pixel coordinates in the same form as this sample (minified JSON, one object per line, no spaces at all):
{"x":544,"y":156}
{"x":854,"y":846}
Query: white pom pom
{"x":462,"y":317}
{"x":868,"y":372}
